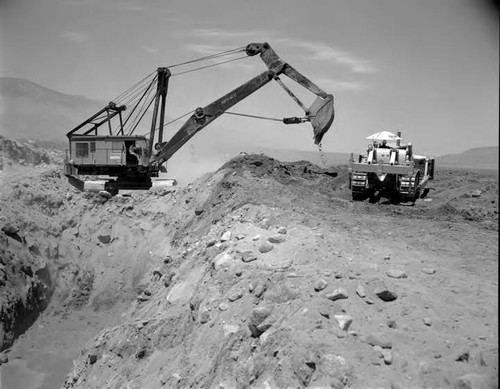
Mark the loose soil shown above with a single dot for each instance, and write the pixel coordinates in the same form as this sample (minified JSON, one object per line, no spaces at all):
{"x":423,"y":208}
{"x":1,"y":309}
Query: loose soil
{"x":175,"y":288}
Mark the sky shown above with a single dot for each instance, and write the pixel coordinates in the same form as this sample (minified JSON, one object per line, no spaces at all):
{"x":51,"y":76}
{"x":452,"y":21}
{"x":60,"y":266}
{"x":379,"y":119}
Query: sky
{"x":428,"y":68}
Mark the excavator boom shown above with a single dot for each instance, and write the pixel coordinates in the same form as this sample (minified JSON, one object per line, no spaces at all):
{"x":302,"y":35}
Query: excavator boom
{"x":320,"y":113}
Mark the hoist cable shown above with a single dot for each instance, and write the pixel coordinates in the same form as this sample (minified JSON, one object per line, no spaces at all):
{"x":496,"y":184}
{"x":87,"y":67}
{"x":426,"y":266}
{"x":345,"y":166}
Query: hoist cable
{"x":254,"y":116}
{"x":134,"y":87}
{"x":120,"y":96}
{"x":173,"y":120}
{"x":209,"y":66}
{"x":142,"y":111}
{"x":221,"y":54}
{"x":136,"y":105}
{"x":133,"y":97}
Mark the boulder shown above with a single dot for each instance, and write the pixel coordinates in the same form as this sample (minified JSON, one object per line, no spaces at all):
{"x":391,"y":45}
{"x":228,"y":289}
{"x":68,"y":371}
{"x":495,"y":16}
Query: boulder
{"x":265,"y":247}
{"x":338,"y":294}
{"x":320,"y":285}
{"x":279,"y":238}
{"x":386,"y":295}
{"x":394,"y":273}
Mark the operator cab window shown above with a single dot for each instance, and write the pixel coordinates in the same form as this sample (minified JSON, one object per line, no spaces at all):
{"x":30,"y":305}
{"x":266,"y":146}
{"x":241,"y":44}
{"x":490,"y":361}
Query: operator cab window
{"x":82,"y":150}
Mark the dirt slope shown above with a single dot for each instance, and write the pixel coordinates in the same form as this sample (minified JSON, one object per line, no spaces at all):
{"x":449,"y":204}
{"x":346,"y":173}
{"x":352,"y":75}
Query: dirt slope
{"x":212,"y":307}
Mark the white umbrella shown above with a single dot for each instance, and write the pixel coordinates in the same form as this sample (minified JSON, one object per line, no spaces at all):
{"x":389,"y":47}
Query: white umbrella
{"x":383,"y":135}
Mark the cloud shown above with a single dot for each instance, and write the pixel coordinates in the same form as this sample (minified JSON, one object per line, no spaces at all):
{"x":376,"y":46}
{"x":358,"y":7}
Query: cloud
{"x":319,"y":51}
{"x":341,"y":85}
{"x":133,"y":8}
{"x":151,"y":50}
{"x":76,"y":37}
{"x":315,"y":50}
{"x":224,"y":34}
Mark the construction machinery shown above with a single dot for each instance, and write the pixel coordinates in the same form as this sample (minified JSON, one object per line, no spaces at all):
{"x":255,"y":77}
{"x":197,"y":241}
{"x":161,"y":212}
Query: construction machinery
{"x":389,"y":169}
{"x":118,"y":159}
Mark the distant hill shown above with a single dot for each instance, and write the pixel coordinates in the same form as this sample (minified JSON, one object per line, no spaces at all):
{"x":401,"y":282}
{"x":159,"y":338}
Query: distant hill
{"x":477,"y":158}
{"x":31,"y":111}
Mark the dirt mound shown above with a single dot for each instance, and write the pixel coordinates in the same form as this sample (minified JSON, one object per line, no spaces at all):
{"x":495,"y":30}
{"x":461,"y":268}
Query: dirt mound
{"x":262,"y":274}
{"x":26,"y":153}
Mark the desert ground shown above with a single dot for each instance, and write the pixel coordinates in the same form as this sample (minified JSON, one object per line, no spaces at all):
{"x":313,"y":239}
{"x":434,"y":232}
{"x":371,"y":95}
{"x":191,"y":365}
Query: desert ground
{"x":262,"y":274}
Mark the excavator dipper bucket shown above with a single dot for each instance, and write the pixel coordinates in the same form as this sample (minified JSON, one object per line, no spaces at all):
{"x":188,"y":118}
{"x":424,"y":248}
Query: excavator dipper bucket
{"x":321,"y":114}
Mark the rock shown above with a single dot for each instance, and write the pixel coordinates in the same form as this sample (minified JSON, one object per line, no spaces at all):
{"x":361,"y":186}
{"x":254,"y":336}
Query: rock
{"x":226,"y":236}
{"x":198,"y":211}
{"x":3,"y":358}
{"x":230,"y":329}
{"x":223,"y":260}
{"x":391,"y":324}
{"x":324,"y":311}
{"x":236,"y":295}
{"x":144,"y":297}
{"x":104,"y":238}
{"x":257,"y":317}
{"x":428,"y":270}
{"x":276,"y":238}
{"x":105,"y":194}
{"x":344,"y":321}
{"x":282,"y":230}
{"x":338,"y":294}
{"x":265,"y":224}
{"x":360,"y":290}
{"x":393,"y":273}
{"x":387,"y":258}
{"x":204,"y":315}
{"x":256,"y":237}
{"x":475,"y":381}
{"x":476,"y":193}
{"x":378,"y":340}
{"x":320,"y":285}
{"x":211,"y":242}
{"x":265,"y":247}
{"x":463,"y":357}
{"x":12,"y":232}
{"x":386,"y":295}
{"x":248,"y":256}
{"x":387,"y":355}
{"x":427,"y":321}
{"x":223,"y":306}
{"x":141,"y":354}
{"x":157,"y":274}
{"x":260,"y":289}
{"x":378,"y":350}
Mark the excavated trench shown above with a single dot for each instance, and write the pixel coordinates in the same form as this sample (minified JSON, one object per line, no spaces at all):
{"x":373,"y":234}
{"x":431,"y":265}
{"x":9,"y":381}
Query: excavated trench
{"x":26,"y":288}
